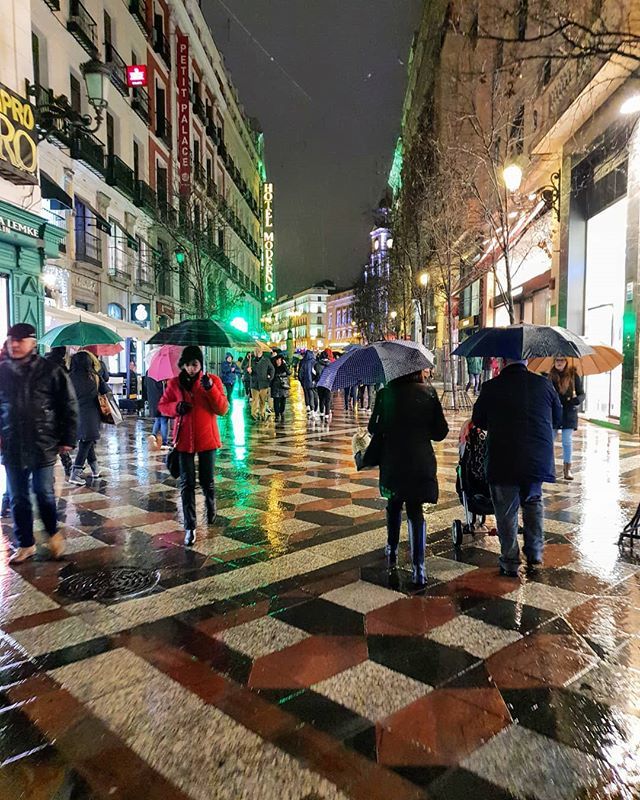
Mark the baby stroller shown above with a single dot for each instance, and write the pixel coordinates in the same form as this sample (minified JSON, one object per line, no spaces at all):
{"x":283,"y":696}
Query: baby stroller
{"x":471,"y":482}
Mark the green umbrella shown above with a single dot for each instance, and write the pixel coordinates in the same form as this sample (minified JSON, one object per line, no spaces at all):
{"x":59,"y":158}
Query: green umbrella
{"x":79,"y":334}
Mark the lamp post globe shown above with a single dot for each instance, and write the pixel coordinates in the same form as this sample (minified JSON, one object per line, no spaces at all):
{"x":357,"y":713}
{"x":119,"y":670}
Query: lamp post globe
{"x":512,"y":177}
{"x":96,"y":77}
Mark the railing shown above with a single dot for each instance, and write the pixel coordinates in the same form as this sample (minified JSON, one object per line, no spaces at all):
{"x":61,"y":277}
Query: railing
{"x":140,"y":103}
{"x":82,"y":26}
{"x":118,"y":66}
{"x":87,"y":148}
{"x":161,"y":46}
{"x":48,"y":117}
{"x":199,"y":109}
{"x":120,"y":175}
{"x":163,"y":131}
{"x":138,"y":9}
{"x":212,"y":132}
{"x":198,"y":173}
{"x":54,"y":5}
{"x":88,"y":247}
{"x":145,"y":196}
{"x":144,"y":273}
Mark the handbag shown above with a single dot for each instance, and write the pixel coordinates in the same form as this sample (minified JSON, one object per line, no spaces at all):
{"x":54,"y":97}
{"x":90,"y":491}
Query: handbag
{"x":109,"y":410}
{"x":173,"y":456}
{"x":367,"y":449}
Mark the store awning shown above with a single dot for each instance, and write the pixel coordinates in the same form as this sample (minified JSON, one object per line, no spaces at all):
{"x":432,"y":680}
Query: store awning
{"x":61,"y":316}
{"x":51,"y":191}
{"x":128,"y":330}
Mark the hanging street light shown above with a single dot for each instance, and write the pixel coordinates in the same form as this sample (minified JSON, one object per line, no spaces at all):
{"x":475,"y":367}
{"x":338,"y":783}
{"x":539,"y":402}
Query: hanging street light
{"x":512,"y":177}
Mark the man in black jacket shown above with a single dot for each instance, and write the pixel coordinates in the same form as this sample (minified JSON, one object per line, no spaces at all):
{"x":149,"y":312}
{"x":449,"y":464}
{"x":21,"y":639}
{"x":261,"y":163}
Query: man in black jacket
{"x":520,"y":411}
{"x":38,"y":420}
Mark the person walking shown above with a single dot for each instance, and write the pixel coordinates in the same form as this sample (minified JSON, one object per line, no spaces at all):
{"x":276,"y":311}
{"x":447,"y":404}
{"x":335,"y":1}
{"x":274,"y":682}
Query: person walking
{"x":38,"y":420}
{"x":307,"y":373}
{"x":350,"y":395}
{"x":228,"y":374}
{"x":58,"y":355}
{"x":474,"y":368}
{"x":324,"y":394}
{"x":280,"y":386}
{"x":570,"y":388}
{"x":408,"y":417}
{"x":519,"y":410}
{"x":159,"y":436}
{"x":197,"y":399}
{"x":261,"y":372}
{"x":246,"y":376}
{"x":87,"y":385}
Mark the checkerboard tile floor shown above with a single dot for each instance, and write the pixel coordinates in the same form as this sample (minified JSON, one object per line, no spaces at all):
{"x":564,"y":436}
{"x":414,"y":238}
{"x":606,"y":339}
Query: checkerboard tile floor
{"x":279,"y":658}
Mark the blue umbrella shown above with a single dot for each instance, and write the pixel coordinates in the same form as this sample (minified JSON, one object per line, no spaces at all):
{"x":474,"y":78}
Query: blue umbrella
{"x":523,"y":342}
{"x":379,"y":362}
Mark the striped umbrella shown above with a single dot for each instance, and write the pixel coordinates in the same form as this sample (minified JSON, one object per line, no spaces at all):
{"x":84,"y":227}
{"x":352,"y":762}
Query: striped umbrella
{"x":379,"y":362}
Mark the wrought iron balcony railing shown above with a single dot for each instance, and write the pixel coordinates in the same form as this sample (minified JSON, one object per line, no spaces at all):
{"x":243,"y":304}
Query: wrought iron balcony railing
{"x":82,"y":26}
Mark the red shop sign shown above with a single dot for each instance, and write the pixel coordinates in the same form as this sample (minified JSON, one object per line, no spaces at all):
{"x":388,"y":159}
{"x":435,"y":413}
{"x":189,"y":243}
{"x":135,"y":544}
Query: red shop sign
{"x":184,"y":116}
{"x":137,"y":75}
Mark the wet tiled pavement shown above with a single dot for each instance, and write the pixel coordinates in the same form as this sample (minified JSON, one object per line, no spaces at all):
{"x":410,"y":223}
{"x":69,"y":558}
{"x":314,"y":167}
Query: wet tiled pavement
{"x":279,"y":659}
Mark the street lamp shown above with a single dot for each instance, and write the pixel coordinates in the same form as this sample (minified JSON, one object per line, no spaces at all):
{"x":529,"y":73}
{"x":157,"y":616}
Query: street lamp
{"x":393,"y":314}
{"x":424,"y":279}
{"x":512,"y":177}
{"x":631,"y":105}
{"x":54,"y":112}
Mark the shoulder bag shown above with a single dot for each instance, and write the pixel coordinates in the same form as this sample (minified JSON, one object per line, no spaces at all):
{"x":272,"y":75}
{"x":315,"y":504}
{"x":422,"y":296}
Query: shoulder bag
{"x":109,"y":410}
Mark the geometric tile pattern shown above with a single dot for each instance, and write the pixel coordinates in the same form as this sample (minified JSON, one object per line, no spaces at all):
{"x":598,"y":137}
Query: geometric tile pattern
{"x":279,"y":658}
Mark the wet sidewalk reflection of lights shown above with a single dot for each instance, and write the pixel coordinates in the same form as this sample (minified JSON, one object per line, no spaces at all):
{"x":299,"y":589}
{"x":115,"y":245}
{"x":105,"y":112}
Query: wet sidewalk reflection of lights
{"x":238,"y":429}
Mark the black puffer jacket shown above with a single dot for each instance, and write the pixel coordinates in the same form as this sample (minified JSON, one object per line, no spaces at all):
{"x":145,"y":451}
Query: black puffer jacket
{"x":38,"y":412}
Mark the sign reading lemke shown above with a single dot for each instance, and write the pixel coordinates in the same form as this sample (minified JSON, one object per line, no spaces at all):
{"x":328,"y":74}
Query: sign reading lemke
{"x":18,"y":140}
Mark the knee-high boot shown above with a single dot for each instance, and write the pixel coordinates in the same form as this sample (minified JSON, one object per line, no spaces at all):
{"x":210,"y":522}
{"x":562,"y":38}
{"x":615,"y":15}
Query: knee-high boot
{"x":417,"y":541}
{"x":394,"y":521}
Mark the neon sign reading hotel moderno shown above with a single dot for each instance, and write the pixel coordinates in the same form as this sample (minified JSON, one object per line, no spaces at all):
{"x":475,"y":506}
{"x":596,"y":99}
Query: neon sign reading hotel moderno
{"x":267,"y":203}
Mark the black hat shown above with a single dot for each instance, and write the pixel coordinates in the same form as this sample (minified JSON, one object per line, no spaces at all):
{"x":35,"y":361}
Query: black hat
{"x":22,"y":331}
{"x":191,"y":353}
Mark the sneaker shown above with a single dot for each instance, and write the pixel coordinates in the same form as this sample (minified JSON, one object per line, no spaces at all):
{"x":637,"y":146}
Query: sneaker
{"x":22,"y":554}
{"x":76,"y":478}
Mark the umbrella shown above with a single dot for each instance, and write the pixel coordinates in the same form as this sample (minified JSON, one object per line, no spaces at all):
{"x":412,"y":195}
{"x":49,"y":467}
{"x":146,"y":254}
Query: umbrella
{"x":379,"y":362}
{"x":202,"y":332}
{"x":603,"y":359}
{"x":104,"y":349}
{"x":163,"y":363}
{"x":79,"y":334}
{"x":522,"y":342}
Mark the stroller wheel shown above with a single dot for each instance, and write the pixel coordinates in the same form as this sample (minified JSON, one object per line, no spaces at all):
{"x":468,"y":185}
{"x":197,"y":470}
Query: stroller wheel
{"x":457,"y":532}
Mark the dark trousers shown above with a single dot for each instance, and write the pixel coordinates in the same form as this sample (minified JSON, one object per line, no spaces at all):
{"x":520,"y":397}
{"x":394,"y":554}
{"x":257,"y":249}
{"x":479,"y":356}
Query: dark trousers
{"x":206,"y":463}
{"x":279,"y":404}
{"x":18,"y":483}
{"x":86,"y":452}
{"x":229,"y":388}
{"x":67,"y":463}
{"x":311,"y":397}
{"x":324,"y":398}
{"x":349,"y":397}
{"x":394,"y":512}
{"x":362,"y":391}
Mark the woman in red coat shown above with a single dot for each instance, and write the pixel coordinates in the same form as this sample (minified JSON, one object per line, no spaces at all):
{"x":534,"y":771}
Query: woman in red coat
{"x":196,"y":398}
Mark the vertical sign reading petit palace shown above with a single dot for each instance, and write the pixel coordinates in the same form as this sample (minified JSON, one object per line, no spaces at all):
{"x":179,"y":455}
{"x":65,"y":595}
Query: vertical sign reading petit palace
{"x":268,"y":281}
{"x":184,"y":116}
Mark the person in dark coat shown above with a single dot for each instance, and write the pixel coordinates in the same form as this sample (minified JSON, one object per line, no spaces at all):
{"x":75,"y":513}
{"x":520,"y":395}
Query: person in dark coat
{"x":324,"y":394}
{"x":38,"y":419}
{"x":154,"y":390}
{"x":307,"y":375}
{"x":408,"y":416}
{"x":520,"y":411}
{"x":87,"y":385}
{"x":280,"y":386}
{"x":228,"y":374}
{"x":570,"y":390}
{"x":58,"y":355}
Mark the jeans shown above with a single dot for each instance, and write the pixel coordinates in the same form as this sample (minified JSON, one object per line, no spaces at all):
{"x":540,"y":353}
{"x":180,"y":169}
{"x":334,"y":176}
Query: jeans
{"x":506,"y":502}
{"x":279,"y":404}
{"x":324,"y":399}
{"x":567,"y":445}
{"x":349,"y":397}
{"x":18,"y":483}
{"x":259,"y":402}
{"x":474,"y":380}
{"x":86,"y":452}
{"x":206,"y":463}
{"x":161,"y":426}
{"x":229,"y":389}
{"x":310,"y":397}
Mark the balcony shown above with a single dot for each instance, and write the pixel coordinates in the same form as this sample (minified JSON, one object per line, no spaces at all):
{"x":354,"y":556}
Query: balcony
{"x":49,"y":119}
{"x":118,"y":66}
{"x":54,"y":5}
{"x":166,"y":212}
{"x":199,"y":110}
{"x":144,"y":274}
{"x":85,"y":147}
{"x":82,"y":26}
{"x":140,"y":103}
{"x":162,"y":47}
{"x":212,"y":132}
{"x":145,"y":197}
{"x":138,"y":9}
{"x":121,"y":176}
{"x":198,"y":173}
{"x":164,"y":132}
{"x":212,"y":189}
{"x":88,"y":247}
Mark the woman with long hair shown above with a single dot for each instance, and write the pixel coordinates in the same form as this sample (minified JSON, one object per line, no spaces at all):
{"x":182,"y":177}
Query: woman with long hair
{"x":196,"y":398}
{"x":570,"y":388}
{"x":87,"y":385}
{"x":407,"y":417}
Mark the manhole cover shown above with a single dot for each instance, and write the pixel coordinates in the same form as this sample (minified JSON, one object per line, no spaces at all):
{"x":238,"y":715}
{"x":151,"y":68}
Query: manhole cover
{"x":112,"y":583}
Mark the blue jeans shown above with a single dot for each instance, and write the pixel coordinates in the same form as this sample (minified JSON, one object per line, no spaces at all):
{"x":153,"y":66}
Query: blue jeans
{"x":567,"y":445}
{"x":18,"y":483}
{"x":161,"y":425}
{"x":506,"y":502}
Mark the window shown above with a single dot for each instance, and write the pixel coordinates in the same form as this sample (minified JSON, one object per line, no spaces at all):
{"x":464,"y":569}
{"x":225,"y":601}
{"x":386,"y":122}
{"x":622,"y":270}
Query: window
{"x":118,"y":250}
{"x":111,"y":136}
{"x":88,"y":241}
{"x":136,"y":160}
{"x":162,"y":184}
{"x":115,"y":311}
{"x":522,"y":17}
{"x":35,"y":54}
{"x":546,"y":71}
{"x":75,"y":96}
{"x":145,"y":267}
{"x":161,"y":106}
{"x":163,"y":269}
{"x":107,"y":29}
{"x":196,"y":153}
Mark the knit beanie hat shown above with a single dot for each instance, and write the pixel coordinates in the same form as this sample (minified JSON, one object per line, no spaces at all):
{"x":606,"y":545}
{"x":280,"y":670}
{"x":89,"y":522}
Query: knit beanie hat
{"x":191,"y":353}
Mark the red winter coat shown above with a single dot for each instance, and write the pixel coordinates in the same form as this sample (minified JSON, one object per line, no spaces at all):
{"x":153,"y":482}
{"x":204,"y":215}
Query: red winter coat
{"x":198,"y":430}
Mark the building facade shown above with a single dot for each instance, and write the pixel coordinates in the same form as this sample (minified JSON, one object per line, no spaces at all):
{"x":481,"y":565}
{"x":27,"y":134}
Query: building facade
{"x":172,"y":160}
{"x":341,"y":327}
{"x":299,"y":321}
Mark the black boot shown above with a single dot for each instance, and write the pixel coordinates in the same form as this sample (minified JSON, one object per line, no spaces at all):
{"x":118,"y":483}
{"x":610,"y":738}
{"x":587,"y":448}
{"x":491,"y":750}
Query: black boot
{"x":6,"y":505}
{"x":189,"y":538}
{"x":210,"y":505}
{"x":417,"y":537}
{"x":394,"y":520}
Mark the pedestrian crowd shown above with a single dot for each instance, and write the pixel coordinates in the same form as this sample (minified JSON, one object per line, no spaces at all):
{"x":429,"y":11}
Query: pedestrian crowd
{"x":50,"y":406}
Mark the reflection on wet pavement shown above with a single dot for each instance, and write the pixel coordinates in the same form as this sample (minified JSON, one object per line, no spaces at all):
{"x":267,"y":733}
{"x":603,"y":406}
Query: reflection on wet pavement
{"x":279,"y":658}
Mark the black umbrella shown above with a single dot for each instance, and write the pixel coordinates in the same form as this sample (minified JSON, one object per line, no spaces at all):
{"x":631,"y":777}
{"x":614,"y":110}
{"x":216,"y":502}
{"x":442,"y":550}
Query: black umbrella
{"x":522,"y":342}
{"x":202,"y":332}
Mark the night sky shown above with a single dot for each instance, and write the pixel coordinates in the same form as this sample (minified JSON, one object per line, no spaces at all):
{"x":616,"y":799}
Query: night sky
{"x":330,"y":106}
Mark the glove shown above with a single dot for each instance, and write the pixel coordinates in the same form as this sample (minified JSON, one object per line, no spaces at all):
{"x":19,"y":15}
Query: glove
{"x":575,"y":401}
{"x":206,"y":382}
{"x":183,"y":408}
